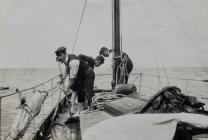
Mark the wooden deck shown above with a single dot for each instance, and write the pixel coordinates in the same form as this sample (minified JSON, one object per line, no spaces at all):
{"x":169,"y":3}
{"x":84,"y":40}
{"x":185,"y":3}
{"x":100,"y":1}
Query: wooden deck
{"x":90,"y":119}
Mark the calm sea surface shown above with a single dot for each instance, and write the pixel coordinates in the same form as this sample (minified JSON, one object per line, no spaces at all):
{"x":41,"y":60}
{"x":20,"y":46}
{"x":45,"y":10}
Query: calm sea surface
{"x":188,"y":79}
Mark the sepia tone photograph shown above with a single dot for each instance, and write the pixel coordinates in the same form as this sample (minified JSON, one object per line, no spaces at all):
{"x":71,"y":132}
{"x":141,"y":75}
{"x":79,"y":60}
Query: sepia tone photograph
{"x":103,"y":70}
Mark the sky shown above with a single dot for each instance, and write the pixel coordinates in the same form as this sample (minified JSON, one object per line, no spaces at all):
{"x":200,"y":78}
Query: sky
{"x":162,"y":33}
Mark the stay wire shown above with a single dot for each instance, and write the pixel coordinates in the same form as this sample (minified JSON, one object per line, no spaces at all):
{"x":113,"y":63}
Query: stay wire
{"x":147,"y":22}
{"x":78,"y":29}
{"x":157,"y":44}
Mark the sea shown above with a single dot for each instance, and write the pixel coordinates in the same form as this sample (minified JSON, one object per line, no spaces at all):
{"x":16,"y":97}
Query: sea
{"x":191,"y":80}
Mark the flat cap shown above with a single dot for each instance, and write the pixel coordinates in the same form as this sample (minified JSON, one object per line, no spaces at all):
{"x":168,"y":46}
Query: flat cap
{"x":102,"y":50}
{"x":60,"y":50}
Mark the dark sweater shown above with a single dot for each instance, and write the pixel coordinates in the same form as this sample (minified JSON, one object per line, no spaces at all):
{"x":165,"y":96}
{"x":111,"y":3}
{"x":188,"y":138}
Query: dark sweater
{"x":89,"y":60}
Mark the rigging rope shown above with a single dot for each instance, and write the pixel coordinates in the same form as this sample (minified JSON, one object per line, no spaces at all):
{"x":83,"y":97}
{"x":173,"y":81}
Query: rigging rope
{"x":123,"y":71}
{"x":138,"y":76}
{"x":147,"y":18}
{"x":77,"y":33}
{"x":157,"y":44}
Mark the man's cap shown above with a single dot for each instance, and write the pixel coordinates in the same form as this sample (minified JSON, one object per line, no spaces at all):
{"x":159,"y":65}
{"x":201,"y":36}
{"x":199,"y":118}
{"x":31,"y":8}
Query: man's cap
{"x":60,"y":50}
{"x":100,"y":59}
{"x":103,"y":49}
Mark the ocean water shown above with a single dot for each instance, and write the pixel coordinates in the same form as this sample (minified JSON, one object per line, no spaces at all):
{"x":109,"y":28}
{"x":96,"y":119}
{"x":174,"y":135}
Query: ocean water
{"x":188,"y":79}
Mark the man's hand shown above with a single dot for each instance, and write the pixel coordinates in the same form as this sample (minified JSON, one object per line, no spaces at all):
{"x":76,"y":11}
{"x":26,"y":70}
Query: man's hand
{"x":60,"y":82}
{"x":62,"y":79}
{"x":68,"y":93}
{"x":65,"y":91}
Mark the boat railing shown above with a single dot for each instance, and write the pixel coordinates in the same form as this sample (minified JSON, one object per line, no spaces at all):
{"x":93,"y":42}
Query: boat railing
{"x":147,"y":85}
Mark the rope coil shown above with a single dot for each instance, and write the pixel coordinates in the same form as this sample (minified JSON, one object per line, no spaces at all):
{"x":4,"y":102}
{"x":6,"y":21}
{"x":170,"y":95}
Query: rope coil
{"x":123,"y":71}
{"x":99,"y":100}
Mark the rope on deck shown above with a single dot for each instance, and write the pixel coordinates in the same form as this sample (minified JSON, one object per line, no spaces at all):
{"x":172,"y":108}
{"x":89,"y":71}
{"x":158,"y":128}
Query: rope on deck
{"x":99,"y":99}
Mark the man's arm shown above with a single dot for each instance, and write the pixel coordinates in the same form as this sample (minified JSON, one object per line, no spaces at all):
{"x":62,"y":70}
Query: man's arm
{"x":64,"y":76}
{"x":71,"y":82}
{"x":91,"y":61}
{"x":65,"y":73}
{"x":86,"y":58}
{"x":74,"y":66}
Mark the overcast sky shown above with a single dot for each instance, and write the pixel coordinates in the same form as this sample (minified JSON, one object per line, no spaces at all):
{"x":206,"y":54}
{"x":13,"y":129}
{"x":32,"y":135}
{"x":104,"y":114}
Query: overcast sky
{"x":155,"y":32}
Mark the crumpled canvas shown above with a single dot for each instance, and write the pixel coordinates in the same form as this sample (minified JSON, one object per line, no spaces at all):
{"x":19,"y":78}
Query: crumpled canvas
{"x":23,"y":120}
{"x":143,"y":126}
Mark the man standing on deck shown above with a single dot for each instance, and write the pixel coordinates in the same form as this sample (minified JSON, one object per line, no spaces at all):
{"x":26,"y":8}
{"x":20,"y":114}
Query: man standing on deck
{"x":126,"y":65}
{"x":78,"y":72}
{"x":99,"y":60}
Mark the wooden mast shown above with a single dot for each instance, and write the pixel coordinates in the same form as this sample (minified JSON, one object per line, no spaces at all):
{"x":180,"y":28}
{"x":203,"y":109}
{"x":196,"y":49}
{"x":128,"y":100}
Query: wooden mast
{"x":116,"y":41}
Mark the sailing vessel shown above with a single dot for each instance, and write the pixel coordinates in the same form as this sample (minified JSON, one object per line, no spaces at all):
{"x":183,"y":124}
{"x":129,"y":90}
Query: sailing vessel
{"x":126,"y":105}
{"x":54,"y":124}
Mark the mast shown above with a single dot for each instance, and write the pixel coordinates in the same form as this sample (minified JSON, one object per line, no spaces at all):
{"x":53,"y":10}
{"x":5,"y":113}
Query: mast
{"x":116,"y":52}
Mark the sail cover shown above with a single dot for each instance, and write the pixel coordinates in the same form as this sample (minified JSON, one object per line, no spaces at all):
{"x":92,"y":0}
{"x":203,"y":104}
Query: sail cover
{"x":26,"y":113}
{"x":143,"y":126}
